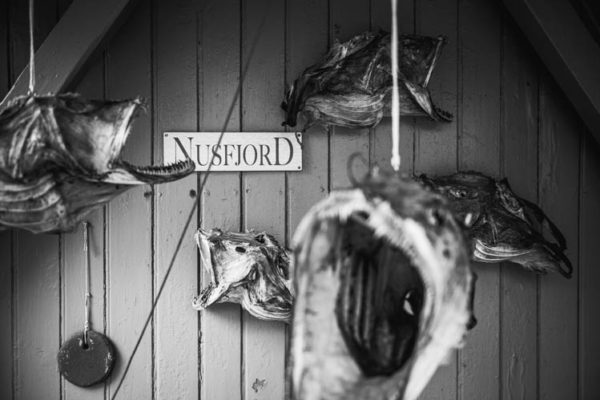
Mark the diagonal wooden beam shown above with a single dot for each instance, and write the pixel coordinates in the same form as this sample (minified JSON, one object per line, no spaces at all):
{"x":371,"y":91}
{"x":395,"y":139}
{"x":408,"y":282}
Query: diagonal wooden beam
{"x":567,"y":48}
{"x":84,"y":26}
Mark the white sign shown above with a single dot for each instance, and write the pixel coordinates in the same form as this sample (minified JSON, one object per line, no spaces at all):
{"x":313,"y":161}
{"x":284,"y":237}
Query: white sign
{"x":238,"y":151}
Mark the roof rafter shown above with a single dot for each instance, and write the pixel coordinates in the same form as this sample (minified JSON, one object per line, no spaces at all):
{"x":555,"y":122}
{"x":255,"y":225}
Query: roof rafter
{"x":84,"y":26}
{"x":568,"y":50}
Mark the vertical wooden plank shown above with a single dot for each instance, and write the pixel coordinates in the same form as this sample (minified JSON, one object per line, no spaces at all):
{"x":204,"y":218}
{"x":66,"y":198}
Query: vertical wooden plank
{"x":381,"y":135}
{"x":307,"y":37}
{"x":519,"y":146}
{"x":589,"y":324}
{"x":221,"y":330}
{"x":559,"y":144}
{"x":37,"y":312}
{"x":264,"y":193}
{"x":129,"y":230}
{"x":306,"y":42}
{"x":435,"y":142}
{"x":479,"y":128}
{"x":6,"y":262}
{"x":175,"y":99}
{"x":73,"y":260}
{"x":6,"y":308}
{"x":36,"y":280}
{"x":348,"y":18}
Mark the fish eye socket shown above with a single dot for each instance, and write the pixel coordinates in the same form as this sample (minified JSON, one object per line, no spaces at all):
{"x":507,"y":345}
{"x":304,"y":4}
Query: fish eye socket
{"x":459,"y":193}
{"x":240,"y":249}
{"x":435,"y":217}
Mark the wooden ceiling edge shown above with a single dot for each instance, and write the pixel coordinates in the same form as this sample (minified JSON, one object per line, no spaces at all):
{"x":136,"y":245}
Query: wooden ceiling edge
{"x":567,"y":49}
{"x":84,"y":27}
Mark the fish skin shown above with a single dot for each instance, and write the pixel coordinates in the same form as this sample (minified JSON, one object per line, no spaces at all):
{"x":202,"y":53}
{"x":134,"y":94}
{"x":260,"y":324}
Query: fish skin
{"x":501,"y":226}
{"x":383,"y":288}
{"x":250,"y":269}
{"x":352,"y":85}
{"x":60,"y":159}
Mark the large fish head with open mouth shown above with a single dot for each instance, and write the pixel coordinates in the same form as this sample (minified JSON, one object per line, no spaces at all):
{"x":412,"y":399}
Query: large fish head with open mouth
{"x":351,"y":86}
{"x":383,"y":287}
{"x":251,"y":269}
{"x":500,"y":225}
{"x":60,"y":157}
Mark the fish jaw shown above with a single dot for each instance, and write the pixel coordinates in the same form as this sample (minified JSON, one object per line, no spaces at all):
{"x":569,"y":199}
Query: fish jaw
{"x":352,"y":85}
{"x":60,"y":158}
{"x":52,"y":203}
{"x":538,"y":258}
{"x":69,"y":134}
{"x":321,"y":366}
{"x":109,"y":122}
{"x":250,"y":269}
{"x":319,"y":369}
{"x":501,"y":226}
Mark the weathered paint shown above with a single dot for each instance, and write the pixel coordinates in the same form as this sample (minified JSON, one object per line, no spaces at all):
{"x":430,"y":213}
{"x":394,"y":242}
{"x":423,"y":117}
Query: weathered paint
{"x":518,"y":146}
{"x":436,"y":144}
{"x":560,"y":135}
{"x":536,"y":336}
{"x":479,"y":100}
{"x":176,"y":337}
{"x":129,"y":276}
{"x":221,"y":325}
{"x":263,"y":196}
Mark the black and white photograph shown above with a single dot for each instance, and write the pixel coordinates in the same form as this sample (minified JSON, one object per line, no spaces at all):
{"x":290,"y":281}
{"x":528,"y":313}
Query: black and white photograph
{"x":299,"y":199}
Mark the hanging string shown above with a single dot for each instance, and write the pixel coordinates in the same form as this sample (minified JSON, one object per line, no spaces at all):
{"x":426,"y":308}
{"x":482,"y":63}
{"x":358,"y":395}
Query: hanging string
{"x":88,"y":293}
{"x":196,"y":202}
{"x":31,"y":51}
{"x":395,"y":161}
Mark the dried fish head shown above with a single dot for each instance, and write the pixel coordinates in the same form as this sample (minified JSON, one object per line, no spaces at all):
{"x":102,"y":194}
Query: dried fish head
{"x":382,"y":285}
{"x":352,"y":85}
{"x":60,"y":157}
{"x":500,"y":225}
{"x":251,"y":269}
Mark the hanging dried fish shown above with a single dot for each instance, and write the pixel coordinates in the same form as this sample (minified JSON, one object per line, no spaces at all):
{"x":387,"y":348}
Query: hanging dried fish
{"x":60,"y":159}
{"x":251,"y":269}
{"x":352,"y":86}
{"x":501,"y":225}
{"x":383,"y":288}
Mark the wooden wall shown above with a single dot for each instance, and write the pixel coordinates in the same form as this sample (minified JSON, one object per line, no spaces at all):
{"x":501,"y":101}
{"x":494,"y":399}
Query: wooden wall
{"x":537,"y":335}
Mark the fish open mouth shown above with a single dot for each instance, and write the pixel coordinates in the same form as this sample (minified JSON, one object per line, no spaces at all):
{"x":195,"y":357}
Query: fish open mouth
{"x":121,"y":172}
{"x":251,"y":269}
{"x":69,"y":135}
{"x":501,"y":225}
{"x":60,"y":157}
{"x":380,"y":301}
{"x":382,"y":285}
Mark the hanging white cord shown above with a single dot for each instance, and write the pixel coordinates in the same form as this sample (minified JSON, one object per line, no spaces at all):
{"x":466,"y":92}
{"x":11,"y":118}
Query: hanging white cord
{"x":88,"y":294}
{"x":395,"y":161}
{"x":31,"y":51}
